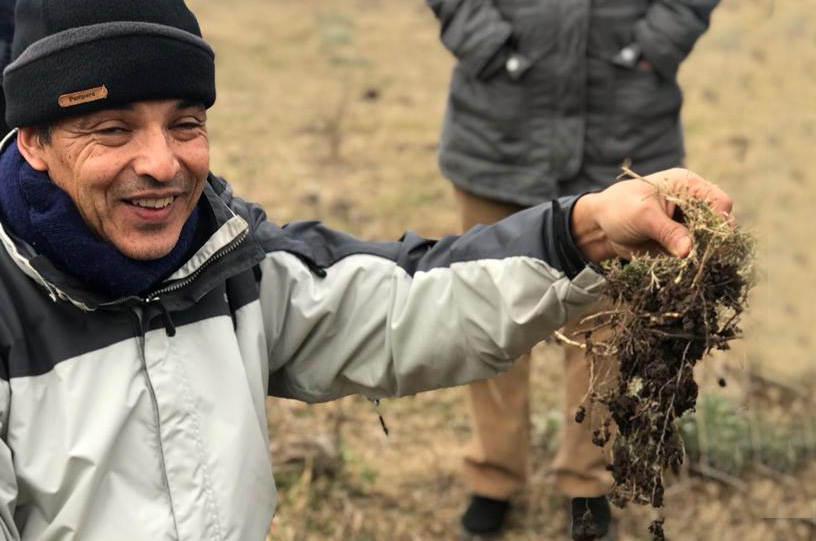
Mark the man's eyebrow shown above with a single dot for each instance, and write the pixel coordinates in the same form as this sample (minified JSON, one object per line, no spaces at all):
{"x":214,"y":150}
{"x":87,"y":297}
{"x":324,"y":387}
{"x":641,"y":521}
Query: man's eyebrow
{"x":92,"y":118}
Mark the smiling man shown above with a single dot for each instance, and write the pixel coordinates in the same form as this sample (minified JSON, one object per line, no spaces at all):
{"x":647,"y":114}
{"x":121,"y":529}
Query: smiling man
{"x":146,"y":312}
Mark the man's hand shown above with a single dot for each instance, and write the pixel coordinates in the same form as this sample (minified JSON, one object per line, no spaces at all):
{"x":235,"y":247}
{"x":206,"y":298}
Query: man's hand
{"x":633,"y":216}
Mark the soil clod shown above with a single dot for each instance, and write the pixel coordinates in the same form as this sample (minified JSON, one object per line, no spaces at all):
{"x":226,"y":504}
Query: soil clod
{"x":667,"y":314}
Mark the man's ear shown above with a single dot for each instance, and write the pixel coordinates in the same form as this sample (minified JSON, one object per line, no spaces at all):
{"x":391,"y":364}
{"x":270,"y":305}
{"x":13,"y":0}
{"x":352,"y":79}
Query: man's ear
{"x":32,"y":148}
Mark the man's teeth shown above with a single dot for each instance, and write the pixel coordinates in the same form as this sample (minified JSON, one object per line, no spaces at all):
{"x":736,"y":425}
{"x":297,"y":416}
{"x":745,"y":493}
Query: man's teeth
{"x":153,"y":203}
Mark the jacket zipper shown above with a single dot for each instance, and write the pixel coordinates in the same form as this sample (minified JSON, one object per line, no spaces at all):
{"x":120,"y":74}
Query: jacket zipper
{"x":154,"y":298}
{"x":140,"y":324}
{"x":195,"y":274}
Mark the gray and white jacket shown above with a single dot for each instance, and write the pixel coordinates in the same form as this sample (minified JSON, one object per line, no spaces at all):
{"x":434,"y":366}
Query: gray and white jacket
{"x":144,"y":418}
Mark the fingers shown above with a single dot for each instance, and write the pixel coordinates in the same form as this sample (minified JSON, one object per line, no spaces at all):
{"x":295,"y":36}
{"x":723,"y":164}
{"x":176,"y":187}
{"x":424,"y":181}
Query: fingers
{"x":717,"y":199}
{"x":681,"y":181}
{"x":673,"y":236}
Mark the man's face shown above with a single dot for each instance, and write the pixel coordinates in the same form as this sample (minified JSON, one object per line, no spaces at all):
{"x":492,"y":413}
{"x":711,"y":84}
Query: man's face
{"x":135,"y":173}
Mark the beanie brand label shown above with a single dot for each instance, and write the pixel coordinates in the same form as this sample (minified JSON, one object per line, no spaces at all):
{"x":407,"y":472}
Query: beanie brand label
{"x":83,"y":96}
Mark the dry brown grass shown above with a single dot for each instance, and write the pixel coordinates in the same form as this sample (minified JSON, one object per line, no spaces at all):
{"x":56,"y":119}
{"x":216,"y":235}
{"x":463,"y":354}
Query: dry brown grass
{"x":331,"y":109}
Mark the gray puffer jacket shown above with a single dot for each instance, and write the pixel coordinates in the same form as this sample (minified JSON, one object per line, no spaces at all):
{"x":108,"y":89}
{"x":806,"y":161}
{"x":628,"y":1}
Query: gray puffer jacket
{"x":574,"y":109}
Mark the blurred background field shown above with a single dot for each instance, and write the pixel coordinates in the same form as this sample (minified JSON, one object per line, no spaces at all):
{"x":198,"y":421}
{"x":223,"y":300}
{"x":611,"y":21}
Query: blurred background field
{"x":331,"y":109}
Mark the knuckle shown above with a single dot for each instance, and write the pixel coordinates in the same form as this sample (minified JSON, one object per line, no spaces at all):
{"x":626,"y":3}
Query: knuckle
{"x":668,"y":232}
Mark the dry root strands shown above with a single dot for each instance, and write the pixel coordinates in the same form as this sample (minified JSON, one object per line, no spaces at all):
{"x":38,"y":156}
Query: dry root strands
{"x":668,"y":313}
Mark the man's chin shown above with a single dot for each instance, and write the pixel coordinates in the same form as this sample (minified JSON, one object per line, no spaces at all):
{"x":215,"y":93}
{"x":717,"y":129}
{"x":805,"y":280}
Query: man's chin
{"x":146,"y":251}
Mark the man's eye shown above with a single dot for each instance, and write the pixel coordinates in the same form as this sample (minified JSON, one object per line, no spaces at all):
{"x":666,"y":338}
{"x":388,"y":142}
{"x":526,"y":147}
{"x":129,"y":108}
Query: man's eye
{"x":191,"y":125}
{"x":111,"y":130}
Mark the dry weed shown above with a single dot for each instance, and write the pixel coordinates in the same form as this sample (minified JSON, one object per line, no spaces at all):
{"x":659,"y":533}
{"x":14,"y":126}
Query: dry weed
{"x":667,"y":314}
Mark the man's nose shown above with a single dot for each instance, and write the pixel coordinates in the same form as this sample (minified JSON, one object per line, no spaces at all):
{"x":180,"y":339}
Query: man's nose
{"x":156,"y":156}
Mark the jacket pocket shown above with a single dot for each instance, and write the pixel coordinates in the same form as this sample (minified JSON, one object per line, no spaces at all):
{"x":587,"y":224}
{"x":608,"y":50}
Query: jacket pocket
{"x":487,"y":119}
{"x":485,"y":132}
{"x":632,"y":114}
{"x":497,"y":98}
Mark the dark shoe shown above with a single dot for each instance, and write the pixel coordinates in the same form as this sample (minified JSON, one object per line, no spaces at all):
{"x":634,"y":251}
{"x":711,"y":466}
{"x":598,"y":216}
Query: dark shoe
{"x":484,"y":517}
{"x":591,"y":519}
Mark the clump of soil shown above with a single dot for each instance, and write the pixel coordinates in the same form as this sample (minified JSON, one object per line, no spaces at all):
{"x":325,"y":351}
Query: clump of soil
{"x":666,"y":314}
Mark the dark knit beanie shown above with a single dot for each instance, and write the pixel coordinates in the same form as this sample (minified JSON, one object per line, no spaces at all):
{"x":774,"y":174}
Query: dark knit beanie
{"x":72,"y":57}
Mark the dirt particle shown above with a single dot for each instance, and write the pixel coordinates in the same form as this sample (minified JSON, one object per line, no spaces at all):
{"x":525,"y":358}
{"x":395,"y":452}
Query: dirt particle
{"x":656,"y":529}
{"x":371,"y":94}
{"x":580,"y":415}
{"x":584,"y":528}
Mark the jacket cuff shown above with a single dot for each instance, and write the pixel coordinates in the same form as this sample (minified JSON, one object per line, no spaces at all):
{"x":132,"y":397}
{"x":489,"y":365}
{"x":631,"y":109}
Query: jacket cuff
{"x":573,"y":261}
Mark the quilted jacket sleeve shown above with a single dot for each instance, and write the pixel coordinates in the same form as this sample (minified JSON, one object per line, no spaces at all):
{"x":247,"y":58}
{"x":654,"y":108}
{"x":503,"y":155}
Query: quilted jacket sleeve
{"x":670,"y":29}
{"x":474,"y":31}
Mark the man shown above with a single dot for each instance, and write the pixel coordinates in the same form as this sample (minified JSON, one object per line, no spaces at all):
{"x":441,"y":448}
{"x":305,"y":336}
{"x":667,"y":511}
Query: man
{"x":548,"y":98}
{"x":146,"y":312}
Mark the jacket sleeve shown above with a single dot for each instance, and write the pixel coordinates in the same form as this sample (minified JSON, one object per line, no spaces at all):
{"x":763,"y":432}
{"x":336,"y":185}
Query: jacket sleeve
{"x":8,"y":479}
{"x":475,"y":32}
{"x":669,"y":31}
{"x":392,"y":319}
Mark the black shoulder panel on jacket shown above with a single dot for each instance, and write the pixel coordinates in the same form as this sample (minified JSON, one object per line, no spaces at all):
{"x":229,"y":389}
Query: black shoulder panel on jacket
{"x":529,"y":233}
{"x":37,"y":332}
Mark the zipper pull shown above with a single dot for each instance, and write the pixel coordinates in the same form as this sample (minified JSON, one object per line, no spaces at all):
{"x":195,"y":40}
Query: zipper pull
{"x":376,"y":402}
{"x":169,"y":326}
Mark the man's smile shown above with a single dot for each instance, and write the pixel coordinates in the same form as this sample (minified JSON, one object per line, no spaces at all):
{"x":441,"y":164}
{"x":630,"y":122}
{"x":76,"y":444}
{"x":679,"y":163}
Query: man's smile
{"x":153,"y":210}
{"x":153,"y":203}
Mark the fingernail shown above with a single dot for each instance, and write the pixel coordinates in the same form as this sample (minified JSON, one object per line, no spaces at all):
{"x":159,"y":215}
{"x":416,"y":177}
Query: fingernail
{"x":683,"y":246}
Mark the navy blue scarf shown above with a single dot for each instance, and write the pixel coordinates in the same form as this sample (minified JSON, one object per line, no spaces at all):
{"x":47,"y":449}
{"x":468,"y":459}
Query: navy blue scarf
{"x":44,"y":216}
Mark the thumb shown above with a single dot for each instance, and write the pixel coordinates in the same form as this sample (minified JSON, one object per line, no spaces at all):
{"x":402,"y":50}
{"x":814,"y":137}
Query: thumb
{"x":673,"y":236}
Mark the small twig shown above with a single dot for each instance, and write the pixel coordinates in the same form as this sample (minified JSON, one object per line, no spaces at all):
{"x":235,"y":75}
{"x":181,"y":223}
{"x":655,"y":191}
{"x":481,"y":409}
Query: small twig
{"x":562,"y":338}
{"x":593,"y":328}
{"x":591,"y":386}
{"x":596,"y":315}
{"x":731,"y":320}
{"x":686,"y":336}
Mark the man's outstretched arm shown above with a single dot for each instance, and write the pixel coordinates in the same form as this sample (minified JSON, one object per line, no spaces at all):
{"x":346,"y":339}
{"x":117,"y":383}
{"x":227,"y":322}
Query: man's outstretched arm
{"x":385,"y":319}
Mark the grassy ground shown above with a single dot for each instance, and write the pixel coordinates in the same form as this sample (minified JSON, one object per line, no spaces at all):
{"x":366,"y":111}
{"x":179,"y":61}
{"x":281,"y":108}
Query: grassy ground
{"x":331,"y":110}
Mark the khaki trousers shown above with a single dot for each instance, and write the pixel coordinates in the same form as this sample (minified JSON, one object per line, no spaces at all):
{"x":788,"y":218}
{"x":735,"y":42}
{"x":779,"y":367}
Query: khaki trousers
{"x":495,"y":463}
